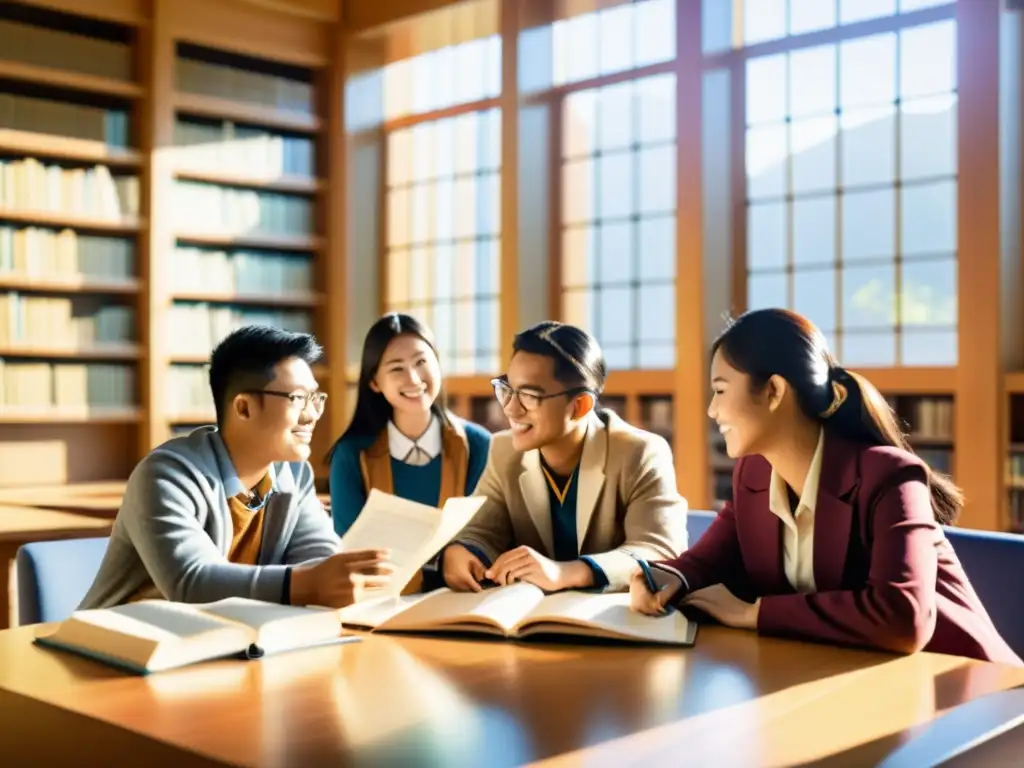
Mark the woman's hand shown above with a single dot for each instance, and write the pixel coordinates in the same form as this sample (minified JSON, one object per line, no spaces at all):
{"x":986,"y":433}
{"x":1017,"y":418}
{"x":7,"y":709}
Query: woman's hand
{"x":719,"y":602}
{"x":642,"y":600}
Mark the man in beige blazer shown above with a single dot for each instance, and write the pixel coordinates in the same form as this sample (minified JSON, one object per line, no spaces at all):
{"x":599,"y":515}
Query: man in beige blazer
{"x":575,"y":494}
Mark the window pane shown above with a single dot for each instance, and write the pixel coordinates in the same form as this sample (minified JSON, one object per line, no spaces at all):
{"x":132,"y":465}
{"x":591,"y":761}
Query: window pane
{"x":813,"y":144}
{"x":486,"y":328}
{"x":929,"y":218}
{"x":916,"y":5}
{"x":444,"y":273}
{"x":579,"y":123}
{"x":814,"y":230}
{"x":657,"y":255}
{"x":810,"y":15}
{"x":465,"y":269}
{"x":578,"y":191}
{"x":398,"y":276}
{"x":928,"y":295}
{"x":398,"y":217}
{"x":766,"y":161}
{"x":763,"y":20}
{"x":616,"y":324}
{"x":767,"y":290}
{"x":812,"y":81}
{"x":490,"y":139}
{"x":399,"y":149}
{"x":814,"y":296}
{"x":657,"y":179}
{"x":869,"y":296}
{"x":767,"y":233}
{"x":657,"y":313}
{"x":488,"y":268}
{"x":619,"y":356}
{"x":656,"y":355}
{"x":867,"y":71}
{"x":860,"y":10}
{"x":467,"y":143}
{"x":875,"y":349}
{"x":656,"y":104}
{"x":766,"y":89}
{"x":578,"y":257}
{"x":579,"y":39}
{"x":928,"y":59}
{"x":466,"y":206}
{"x":444,"y":147}
{"x":422,"y":154}
{"x":615,"y":116}
{"x":578,"y":309}
{"x":615,"y":27}
{"x":928,"y":137}
{"x":616,"y":249}
{"x":422,"y":212}
{"x":615,"y":174}
{"x":443,"y":324}
{"x":928,"y":347}
{"x":488,"y":204}
{"x":869,"y":224}
{"x":654,"y":31}
{"x":420,"y":259}
{"x":868,"y":146}
{"x":444,"y":209}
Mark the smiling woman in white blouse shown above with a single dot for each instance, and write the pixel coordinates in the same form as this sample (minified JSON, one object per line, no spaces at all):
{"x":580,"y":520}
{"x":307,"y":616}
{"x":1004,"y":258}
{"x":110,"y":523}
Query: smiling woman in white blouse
{"x":403,"y":439}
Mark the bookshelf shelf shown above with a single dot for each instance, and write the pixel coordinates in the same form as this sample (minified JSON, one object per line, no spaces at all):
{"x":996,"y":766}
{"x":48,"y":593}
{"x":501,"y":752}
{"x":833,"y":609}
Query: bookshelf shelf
{"x":194,"y":417}
{"x":282,"y":299}
{"x":72,"y":81}
{"x":201,"y":105}
{"x":293,"y":184}
{"x":71,"y":221}
{"x":15,"y":142}
{"x":70,"y":285}
{"x":93,"y":352}
{"x":258,"y":241}
{"x":58,"y":416}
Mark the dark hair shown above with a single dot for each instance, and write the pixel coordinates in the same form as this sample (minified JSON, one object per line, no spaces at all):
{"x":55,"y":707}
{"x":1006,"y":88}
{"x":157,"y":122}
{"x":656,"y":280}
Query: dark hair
{"x":776,"y":342}
{"x":579,"y":361}
{"x":245,"y":359}
{"x":373,"y":411}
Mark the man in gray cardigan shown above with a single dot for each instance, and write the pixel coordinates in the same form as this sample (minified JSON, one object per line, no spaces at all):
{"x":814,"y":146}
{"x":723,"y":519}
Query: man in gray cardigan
{"x":231,"y":510}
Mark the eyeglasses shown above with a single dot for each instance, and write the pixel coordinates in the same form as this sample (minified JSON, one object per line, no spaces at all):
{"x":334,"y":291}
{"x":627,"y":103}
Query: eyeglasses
{"x":298,"y":401}
{"x":529,"y":400}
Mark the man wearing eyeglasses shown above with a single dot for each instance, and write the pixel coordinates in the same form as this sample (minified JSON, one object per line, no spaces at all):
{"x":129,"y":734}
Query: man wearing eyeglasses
{"x":575,"y":494}
{"x":231,"y":510}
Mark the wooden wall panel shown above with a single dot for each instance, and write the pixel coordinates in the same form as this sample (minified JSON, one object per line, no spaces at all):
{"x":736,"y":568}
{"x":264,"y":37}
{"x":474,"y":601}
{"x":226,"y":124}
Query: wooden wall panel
{"x":134,"y":12}
{"x":237,"y":26}
{"x":318,"y":10}
{"x":509,"y":273}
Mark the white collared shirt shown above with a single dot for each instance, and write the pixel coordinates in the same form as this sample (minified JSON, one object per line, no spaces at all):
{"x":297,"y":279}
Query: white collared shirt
{"x":417,"y":452}
{"x":798,"y":530}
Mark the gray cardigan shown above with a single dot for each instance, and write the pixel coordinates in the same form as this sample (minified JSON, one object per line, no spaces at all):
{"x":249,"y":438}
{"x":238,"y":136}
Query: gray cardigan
{"x":174,"y":527}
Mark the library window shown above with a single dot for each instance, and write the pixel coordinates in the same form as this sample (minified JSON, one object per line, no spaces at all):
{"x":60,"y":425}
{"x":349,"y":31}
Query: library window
{"x":852,"y":187}
{"x":764,"y":20}
{"x":618,"y":218}
{"x":625,"y":36}
{"x":443,"y":234}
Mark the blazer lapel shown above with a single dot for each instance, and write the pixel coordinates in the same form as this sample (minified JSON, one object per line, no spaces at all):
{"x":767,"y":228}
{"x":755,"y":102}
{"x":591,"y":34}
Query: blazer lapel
{"x":759,"y":530}
{"x":534,"y":488}
{"x":833,"y":513}
{"x":590,"y":480}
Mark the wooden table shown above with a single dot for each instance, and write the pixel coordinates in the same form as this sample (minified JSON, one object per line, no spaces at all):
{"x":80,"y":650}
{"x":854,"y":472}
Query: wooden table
{"x":733,"y":700}
{"x":21,"y":525}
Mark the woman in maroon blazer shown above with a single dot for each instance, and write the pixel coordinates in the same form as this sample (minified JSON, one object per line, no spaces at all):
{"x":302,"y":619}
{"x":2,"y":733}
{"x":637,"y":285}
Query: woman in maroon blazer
{"x":835,"y":529}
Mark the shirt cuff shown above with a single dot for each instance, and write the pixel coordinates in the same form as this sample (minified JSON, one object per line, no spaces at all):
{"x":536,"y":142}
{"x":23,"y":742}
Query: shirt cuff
{"x":600,"y":578}
{"x":286,"y":587}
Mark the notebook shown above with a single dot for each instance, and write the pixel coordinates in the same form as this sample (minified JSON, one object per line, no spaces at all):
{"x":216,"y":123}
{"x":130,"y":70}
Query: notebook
{"x":519,"y":611}
{"x":156,"y":635}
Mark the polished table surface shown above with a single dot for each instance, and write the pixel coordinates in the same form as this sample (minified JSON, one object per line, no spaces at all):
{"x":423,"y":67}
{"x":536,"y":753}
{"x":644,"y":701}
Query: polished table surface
{"x":733,"y":700}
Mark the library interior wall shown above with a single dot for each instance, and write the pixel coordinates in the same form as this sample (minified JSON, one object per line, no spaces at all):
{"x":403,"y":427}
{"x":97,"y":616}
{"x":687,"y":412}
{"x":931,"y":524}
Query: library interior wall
{"x":346,"y":48}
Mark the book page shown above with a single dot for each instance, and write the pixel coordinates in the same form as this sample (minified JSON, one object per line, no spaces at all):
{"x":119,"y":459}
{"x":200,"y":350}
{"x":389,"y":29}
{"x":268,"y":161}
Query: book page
{"x":502,"y":607}
{"x":372,"y":613}
{"x":278,"y":626}
{"x":608,"y":615}
{"x":158,"y":620}
{"x":413,"y":532}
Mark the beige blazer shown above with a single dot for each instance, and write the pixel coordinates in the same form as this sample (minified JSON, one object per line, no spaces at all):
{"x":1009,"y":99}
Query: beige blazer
{"x":626,"y":501}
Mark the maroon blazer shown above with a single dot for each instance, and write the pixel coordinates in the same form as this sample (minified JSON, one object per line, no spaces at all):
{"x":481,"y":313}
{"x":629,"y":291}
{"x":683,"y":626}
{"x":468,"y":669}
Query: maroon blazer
{"x":886,"y":575}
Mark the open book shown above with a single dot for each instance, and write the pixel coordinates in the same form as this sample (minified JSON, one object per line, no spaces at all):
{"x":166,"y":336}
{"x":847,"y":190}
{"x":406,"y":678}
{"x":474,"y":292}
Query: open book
{"x":518,"y":611}
{"x":154,"y":635}
{"x":414,"y":532}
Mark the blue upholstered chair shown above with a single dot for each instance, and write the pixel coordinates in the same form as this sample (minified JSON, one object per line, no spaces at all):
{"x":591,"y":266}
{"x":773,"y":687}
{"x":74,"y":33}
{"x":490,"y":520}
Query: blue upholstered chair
{"x":697,"y":521}
{"x":994,"y":563}
{"x":53,"y":577}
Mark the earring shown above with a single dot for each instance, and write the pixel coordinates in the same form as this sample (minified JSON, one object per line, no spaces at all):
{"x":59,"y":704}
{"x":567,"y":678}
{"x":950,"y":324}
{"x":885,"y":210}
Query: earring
{"x":838,"y":398}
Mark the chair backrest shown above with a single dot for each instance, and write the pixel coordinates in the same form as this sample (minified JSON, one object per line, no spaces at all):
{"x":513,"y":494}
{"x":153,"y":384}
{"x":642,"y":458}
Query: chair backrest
{"x":53,"y":577}
{"x":698,"y":521}
{"x":994,"y":562}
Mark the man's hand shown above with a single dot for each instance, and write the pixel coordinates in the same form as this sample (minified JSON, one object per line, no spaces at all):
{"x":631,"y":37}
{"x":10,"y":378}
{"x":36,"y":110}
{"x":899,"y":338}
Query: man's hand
{"x":341,"y":579}
{"x":642,"y":600}
{"x":717,"y":601}
{"x":463,"y":570}
{"x":527,"y":564}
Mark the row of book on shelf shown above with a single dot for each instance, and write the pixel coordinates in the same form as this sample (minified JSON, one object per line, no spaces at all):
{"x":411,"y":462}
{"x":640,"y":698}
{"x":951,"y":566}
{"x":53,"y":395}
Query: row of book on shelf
{"x":42,"y":387}
{"x":63,"y":254}
{"x":30,"y":185}
{"x":60,"y":322}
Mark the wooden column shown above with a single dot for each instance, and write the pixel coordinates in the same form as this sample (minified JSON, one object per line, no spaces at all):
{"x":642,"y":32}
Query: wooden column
{"x":509,"y":280}
{"x":335,"y":214}
{"x":691,"y":372}
{"x":155,"y":122}
{"x":980,"y":398}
